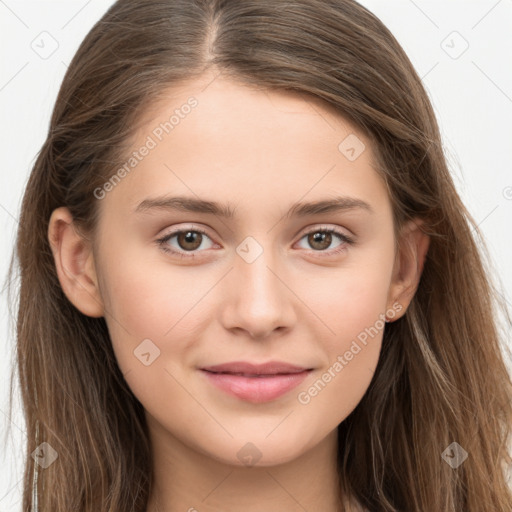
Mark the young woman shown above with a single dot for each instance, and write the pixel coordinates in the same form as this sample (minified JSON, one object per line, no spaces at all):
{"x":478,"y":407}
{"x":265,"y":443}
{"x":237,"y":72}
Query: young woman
{"x":247,"y":280}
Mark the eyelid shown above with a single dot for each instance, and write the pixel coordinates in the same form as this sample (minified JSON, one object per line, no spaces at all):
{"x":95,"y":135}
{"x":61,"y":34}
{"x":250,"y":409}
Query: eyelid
{"x":191,"y":227}
{"x":325,"y":227}
{"x":345,"y":239}
{"x":303,"y":232}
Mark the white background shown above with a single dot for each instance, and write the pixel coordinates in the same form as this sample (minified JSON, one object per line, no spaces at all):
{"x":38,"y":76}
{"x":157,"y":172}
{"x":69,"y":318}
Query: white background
{"x":471,"y":94}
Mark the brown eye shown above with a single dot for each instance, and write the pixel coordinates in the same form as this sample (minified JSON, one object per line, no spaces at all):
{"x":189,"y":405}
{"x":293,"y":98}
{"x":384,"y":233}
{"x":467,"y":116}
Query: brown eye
{"x":189,"y":240}
{"x":319,"y":240}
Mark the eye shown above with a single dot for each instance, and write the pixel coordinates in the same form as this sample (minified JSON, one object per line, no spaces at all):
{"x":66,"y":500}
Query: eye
{"x":321,"y":238}
{"x":191,"y":239}
{"x":188,"y":240}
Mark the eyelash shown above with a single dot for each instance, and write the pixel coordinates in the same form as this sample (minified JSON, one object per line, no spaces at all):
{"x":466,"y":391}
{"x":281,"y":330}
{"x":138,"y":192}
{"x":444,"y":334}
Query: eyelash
{"x":162,"y":242}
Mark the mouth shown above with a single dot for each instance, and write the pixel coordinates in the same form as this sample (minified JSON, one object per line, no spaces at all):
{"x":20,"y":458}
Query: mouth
{"x":256,"y":383}
{"x":255,"y":369}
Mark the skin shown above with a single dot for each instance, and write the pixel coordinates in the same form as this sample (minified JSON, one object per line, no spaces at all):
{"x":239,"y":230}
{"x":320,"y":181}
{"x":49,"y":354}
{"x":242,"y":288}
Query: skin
{"x":261,"y":151}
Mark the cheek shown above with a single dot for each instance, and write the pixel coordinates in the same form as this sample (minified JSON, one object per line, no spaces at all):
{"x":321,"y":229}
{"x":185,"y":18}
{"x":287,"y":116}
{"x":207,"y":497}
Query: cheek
{"x":147,"y":302}
{"x":351,"y":348}
{"x":352,"y":297}
{"x":351,"y":304}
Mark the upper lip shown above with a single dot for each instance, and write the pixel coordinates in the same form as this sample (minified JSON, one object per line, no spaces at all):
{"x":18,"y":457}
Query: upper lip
{"x":269,"y":368}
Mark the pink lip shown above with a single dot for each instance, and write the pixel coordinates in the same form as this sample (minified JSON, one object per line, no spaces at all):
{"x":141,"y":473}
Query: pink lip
{"x":256,"y":383}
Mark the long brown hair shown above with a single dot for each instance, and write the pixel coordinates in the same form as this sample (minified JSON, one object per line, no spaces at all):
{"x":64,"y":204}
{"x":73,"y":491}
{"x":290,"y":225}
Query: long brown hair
{"x":441,"y":377}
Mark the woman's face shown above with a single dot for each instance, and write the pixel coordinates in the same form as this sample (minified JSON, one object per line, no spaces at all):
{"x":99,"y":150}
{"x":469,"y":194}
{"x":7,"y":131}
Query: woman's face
{"x":262,"y":285}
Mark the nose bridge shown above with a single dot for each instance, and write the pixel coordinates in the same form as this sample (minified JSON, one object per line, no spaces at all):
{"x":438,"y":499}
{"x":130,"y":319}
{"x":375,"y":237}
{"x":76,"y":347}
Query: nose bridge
{"x":253,"y":268}
{"x":261,"y":300}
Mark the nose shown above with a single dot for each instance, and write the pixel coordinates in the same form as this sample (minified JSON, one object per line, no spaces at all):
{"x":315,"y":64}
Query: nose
{"x":258,"y":298}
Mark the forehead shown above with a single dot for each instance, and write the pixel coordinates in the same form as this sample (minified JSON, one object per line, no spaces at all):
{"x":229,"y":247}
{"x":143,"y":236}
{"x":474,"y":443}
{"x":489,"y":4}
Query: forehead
{"x":242,"y":117}
{"x":216,"y":137}
{"x":215,"y":92}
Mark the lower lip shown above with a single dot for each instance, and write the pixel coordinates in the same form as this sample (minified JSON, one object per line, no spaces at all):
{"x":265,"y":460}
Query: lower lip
{"x":256,"y":389}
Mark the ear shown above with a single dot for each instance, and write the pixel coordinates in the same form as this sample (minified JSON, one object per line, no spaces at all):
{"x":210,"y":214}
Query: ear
{"x":413,"y":245}
{"x":74,"y":262}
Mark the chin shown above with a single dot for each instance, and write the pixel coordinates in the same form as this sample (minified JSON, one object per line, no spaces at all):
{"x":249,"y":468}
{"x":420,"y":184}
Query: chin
{"x":257,"y":451}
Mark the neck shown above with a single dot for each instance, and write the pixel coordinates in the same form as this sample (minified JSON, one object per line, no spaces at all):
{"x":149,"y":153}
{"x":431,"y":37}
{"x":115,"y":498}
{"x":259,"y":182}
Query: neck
{"x":187,"y":480}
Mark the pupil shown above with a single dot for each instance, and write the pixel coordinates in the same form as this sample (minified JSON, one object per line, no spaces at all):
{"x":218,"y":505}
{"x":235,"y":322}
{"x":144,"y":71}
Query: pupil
{"x":188,"y":240}
{"x":320,"y":237}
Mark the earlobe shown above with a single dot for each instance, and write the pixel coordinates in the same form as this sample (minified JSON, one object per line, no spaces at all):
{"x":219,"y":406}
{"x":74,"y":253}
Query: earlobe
{"x":74,"y":263}
{"x":409,"y":263}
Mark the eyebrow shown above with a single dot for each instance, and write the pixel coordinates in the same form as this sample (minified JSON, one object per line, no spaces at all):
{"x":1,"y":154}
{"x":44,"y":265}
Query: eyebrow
{"x":299,"y":209}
